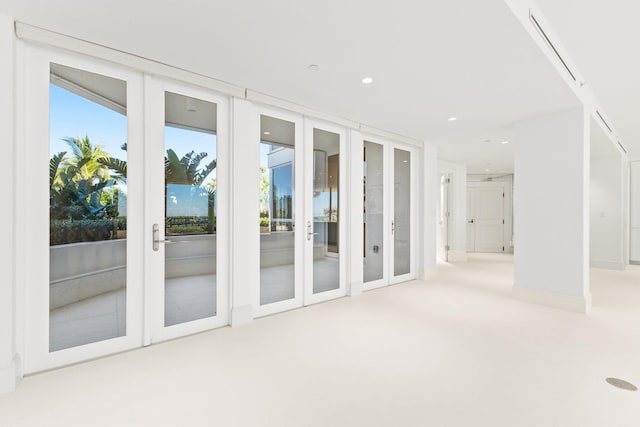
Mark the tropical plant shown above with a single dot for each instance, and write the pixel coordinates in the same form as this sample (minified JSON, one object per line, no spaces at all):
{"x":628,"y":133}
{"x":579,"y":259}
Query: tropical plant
{"x":186,"y":170}
{"x":93,"y":159}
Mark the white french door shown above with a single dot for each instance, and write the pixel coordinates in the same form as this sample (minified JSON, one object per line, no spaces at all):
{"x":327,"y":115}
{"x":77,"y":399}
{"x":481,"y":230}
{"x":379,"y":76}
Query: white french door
{"x":82,"y":236}
{"x":126,"y":231}
{"x":389,"y":227}
{"x":186,"y":205}
{"x":325,"y":226}
{"x":302,"y":226}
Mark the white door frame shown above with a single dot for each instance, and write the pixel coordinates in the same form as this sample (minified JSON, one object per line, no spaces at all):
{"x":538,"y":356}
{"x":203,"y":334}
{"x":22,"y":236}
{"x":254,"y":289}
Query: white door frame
{"x":155,"y":329}
{"x":411,"y":275}
{"x":299,"y":205}
{"x":35,"y":223}
{"x":309,"y":126}
{"x":388,"y":170}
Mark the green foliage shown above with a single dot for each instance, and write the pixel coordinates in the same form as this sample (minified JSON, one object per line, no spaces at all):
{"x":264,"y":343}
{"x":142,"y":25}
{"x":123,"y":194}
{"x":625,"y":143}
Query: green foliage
{"x":84,"y":230}
{"x":84,"y":198}
{"x":189,"y":225}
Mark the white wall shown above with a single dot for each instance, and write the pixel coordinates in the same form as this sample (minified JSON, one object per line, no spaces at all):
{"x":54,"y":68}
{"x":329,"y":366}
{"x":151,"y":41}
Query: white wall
{"x":607,"y":219}
{"x":458,"y":206}
{"x":9,"y":369}
{"x":430,"y":196}
{"x":634,"y":223}
{"x":551,"y":207}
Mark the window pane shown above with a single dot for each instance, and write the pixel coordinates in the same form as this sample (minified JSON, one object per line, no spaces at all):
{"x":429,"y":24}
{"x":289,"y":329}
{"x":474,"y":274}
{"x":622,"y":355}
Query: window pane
{"x":190,"y":209}
{"x":326,"y":169}
{"x":87,"y":207}
{"x":402,"y":212}
{"x":373,"y":212}
{"x":277,"y":215}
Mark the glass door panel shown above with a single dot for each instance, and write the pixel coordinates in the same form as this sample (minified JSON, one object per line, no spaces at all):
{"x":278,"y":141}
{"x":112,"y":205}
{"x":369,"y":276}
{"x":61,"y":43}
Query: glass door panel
{"x":190,"y":146}
{"x":325,"y":230}
{"x":374,"y":251}
{"x":277,"y":210}
{"x":401,"y":226}
{"x":87,"y":207}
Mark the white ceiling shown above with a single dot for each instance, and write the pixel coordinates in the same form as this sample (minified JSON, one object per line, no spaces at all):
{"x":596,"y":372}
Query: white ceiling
{"x":602,"y":38}
{"x":430,"y":60}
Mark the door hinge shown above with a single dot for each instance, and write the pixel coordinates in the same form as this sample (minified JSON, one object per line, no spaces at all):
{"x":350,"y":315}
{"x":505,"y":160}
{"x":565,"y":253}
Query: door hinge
{"x":503,"y":249}
{"x":503,"y":222}
{"x":503,"y":195}
{"x":447,"y":214}
{"x":448,"y":180}
{"x":447,"y":248}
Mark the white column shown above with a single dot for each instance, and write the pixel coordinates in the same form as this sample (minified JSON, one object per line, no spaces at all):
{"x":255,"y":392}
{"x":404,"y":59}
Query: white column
{"x":245,"y":193}
{"x":551,"y":210}
{"x":608,"y":219}
{"x":9,"y":364}
{"x":430,"y":193}
{"x":356,"y":214}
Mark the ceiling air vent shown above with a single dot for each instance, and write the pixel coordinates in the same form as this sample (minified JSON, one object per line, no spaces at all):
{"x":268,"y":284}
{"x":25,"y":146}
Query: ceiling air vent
{"x":622,"y":147}
{"x":604,"y":121}
{"x":535,"y":23}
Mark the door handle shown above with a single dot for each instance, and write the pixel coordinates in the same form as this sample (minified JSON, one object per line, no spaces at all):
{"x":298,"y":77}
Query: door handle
{"x":310,"y":232}
{"x":156,"y":238}
{"x":471,"y":221}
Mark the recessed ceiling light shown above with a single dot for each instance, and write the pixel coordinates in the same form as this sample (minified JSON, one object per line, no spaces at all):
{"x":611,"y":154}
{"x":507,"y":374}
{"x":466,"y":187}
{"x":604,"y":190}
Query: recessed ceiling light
{"x":453,"y":119}
{"x":266,"y":132}
{"x":313,"y":67}
{"x":367,"y":80}
{"x":504,"y":142}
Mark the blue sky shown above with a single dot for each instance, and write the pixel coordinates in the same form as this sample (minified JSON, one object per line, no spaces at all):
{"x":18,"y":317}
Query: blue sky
{"x":74,"y":116}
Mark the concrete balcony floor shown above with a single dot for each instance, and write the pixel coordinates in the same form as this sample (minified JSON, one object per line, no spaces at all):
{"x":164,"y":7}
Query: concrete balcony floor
{"x":186,"y":298}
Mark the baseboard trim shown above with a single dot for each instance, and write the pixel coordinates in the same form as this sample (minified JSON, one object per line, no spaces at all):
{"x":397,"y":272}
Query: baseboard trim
{"x":430,"y":273}
{"x":550,"y":299}
{"x":457,"y":256}
{"x":634,"y":262}
{"x":241,"y":315}
{"x":356,"y":288}
{"x":10,"y":375}
{"x":608,"y":265}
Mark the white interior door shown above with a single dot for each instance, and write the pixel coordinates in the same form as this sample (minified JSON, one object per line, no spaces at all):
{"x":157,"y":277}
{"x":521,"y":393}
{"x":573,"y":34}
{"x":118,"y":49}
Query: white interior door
{"x":472,"y":195}
{"x":489,"y":225}
{"x":82,"y":229}
{"x":187,"y":222}
{"x":485,"y":219}
{"x":443,"y":218}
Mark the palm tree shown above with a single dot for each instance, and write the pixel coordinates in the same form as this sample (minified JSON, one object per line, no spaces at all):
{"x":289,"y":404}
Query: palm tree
{"x":119,"y":167}
{"x":186,"y":170}
{"x":94,"y":167}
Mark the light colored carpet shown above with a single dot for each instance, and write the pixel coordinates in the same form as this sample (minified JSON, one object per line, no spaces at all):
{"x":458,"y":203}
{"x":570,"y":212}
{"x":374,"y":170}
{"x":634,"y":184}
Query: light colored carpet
{"x":454,"y":351}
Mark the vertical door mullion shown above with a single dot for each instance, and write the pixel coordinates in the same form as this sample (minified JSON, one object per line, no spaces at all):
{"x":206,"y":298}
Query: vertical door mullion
{"x":154,"y":209}
{"x":307,"y":213}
